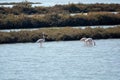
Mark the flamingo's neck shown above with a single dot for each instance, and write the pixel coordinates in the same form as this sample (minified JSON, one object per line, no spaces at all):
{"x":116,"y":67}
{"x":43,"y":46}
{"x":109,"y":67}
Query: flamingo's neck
{"x":43,"y":36}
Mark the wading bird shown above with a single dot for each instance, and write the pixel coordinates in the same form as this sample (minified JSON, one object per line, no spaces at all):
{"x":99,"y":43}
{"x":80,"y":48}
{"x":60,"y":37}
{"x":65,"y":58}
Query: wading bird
{"x":88,"y":41}
{"x":41,"y":40}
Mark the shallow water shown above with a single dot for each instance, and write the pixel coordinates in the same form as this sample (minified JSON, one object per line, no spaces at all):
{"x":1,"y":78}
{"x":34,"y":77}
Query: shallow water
{"x":62,"y":60}
{"x":32,"y":29}
{"x":54,"y":2}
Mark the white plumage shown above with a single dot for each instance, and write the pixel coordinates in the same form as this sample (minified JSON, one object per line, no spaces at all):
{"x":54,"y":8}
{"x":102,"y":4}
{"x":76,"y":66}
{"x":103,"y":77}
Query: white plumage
{"x":88,"y":41}
{"x":41,"y":40}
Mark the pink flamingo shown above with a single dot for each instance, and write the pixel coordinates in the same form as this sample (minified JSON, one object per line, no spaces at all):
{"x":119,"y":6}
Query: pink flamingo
{"x":88,"y":41}
{"x":41,"y":40}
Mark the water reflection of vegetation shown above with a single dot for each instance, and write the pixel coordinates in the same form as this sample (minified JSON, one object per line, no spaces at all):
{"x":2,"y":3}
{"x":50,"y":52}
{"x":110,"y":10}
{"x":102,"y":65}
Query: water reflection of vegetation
{"x":60,"y":34}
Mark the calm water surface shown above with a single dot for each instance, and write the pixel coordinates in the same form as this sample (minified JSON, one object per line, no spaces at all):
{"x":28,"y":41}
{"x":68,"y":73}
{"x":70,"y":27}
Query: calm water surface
{"x":53,"y":2}
{"x":69,"y":60}
{"x":32,"y":29}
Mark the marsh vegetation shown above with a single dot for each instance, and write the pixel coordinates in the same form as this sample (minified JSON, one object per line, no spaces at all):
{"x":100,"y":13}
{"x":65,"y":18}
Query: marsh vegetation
{"x":64,"y":34}
{"x":23,"y":15}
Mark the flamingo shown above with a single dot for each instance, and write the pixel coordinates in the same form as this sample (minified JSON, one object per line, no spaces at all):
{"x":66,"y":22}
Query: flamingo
{"x":88,"y":41}
{"x":41,"y":40}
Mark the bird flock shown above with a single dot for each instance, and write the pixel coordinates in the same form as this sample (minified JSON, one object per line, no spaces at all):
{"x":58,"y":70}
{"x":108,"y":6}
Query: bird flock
{"x":87,"y":41}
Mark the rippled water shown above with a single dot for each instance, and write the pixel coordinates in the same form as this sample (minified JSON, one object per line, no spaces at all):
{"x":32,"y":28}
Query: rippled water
{"x":64,"y":60}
